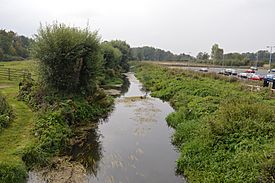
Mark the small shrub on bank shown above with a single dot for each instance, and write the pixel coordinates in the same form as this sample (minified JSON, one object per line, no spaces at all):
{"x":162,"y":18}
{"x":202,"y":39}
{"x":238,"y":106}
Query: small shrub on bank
{"x":10,"y":173}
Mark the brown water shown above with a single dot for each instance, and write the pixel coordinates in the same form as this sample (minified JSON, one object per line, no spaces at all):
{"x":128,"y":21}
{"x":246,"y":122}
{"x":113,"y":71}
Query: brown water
{"x":133,"y":145}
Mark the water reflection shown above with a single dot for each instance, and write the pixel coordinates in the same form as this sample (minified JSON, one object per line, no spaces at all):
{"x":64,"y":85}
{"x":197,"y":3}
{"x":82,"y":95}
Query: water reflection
{"x":88,"y":151}
{"x":125,"y":86}
{"x":135,"y":141}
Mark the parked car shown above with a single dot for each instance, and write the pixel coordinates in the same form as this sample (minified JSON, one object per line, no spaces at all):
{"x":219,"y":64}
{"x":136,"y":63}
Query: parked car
{"x":245,"y":75}
{"x":203,"y":70}
{"x":221,"y":72}
{"x":234,"y":72}
{"x":254,"y":68}
{"x":250,"y":71}
{"x":271,"y":71}
{"x":256,"y":77}
{"x":269,"y":77}
{"x":228,"y":71}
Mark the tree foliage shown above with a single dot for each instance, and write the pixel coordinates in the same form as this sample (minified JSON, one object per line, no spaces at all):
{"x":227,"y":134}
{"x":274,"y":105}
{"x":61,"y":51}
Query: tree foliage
{"x":124,"y":48}
{"x":70,"y":58}
{"x":111,"y":56}
{"x":203,"y":56}
{"x":151,"y":53}
{"x":12,"y":46}
{"x":216,"y":52}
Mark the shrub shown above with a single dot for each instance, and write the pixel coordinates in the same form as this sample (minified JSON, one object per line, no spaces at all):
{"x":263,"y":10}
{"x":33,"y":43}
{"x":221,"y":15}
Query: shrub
{"x":70,"y":58}
{"x":53,"y":132}
{"x":35,"y":156}
{"x":10,"y":173}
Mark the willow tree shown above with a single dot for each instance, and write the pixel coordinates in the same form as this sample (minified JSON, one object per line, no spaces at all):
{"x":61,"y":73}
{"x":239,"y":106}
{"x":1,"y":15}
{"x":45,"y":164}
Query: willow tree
{"x":70,"y":58}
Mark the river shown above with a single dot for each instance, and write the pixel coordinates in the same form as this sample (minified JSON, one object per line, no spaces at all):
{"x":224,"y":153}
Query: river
{"x":133,"y":145}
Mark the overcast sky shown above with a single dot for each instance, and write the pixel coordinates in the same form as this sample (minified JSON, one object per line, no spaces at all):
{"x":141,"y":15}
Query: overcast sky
{"x":176,"y":25}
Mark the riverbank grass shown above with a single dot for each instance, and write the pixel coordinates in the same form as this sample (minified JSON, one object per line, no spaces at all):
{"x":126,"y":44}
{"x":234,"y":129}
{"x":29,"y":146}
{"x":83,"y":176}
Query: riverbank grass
{"x":225,"y":132}
{"x":16,"y":137}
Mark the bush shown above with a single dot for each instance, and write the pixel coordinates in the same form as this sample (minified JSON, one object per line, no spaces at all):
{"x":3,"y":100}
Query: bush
{"x":53,"y":132}
{"x":10,"y":173}
{"x":70,"y":58}
{"x":35,"y":156}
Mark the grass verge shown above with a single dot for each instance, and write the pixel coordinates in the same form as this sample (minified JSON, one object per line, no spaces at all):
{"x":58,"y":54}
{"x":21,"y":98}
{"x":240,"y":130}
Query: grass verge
{"x":15,"y":138}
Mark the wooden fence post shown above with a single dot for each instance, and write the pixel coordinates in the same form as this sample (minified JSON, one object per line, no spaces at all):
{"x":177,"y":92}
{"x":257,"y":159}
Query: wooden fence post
{"x":9,"y":74}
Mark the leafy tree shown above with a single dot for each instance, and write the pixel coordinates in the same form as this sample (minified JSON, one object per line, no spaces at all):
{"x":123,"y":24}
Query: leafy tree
{"x":216,"y":52}
{"x":70,"y":58}
{"x":124,"y":48}
{"x":111,"y":56}
{"x":13,"y":46}
{"x":151,"y":53}
{"x":203,"y":56}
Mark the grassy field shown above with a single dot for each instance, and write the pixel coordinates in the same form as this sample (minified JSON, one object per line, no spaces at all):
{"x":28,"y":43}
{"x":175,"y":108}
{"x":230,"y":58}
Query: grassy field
{"x":225,"y":132}
{"x":29,"y":65}
{"x":18,"y":135}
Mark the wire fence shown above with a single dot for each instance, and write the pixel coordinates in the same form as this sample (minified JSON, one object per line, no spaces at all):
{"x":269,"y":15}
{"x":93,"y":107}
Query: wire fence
{"x":13,"y":74}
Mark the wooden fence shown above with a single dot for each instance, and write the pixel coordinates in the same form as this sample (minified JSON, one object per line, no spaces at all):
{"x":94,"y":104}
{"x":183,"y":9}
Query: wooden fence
{"x":13,"y":74}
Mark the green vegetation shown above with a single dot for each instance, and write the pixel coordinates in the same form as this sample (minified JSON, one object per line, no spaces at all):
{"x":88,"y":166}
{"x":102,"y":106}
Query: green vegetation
{"x":259,"y":58}
{"x":111,"y":63}
{"x":70,"y":66}
{"x":72,"y":63}
{"x":15,"y":137}
{"x":69,"y":57}
{"x":218,"y":57}
{"x":6,"y":114}
{"x":29,"y":65}
{"x":216,"y":53}
{"x":124,"y":48}
{"x":225,"y":133}
{"x":150,"y":53}
{"x":13,"y":47}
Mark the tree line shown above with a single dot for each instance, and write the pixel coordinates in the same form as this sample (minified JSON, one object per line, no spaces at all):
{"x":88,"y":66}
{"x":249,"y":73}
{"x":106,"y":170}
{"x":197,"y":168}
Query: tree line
{"x":17,"y":47}
{"x":155,"y":54}
{"x":13,"y":46}
{"x":218,"y":57}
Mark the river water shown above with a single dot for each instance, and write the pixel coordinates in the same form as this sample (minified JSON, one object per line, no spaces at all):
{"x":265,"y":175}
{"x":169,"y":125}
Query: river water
{"x":133,"y":145}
